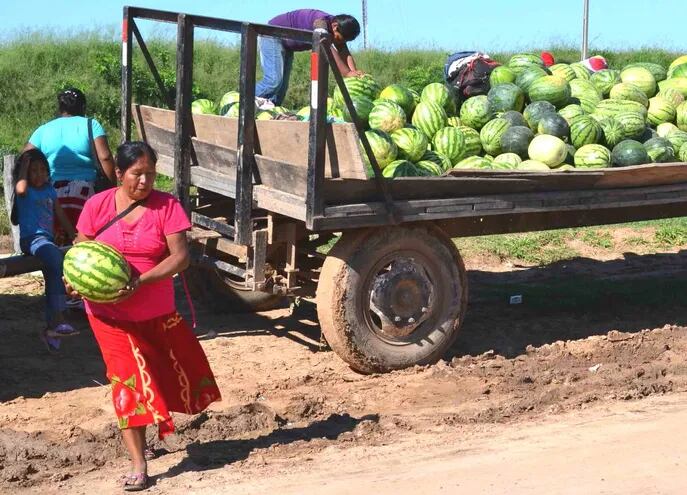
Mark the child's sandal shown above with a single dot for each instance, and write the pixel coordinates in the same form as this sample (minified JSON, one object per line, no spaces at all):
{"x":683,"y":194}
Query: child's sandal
{"x":135,"y":482}
{"x":62,"y":330}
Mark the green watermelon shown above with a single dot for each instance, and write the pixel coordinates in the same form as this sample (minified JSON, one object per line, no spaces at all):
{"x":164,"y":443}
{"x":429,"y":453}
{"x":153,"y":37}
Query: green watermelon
{"x":473,"y":144}
{"x":399,"y":95}
{"x":506,"y":161}
{"x":363,"y":107}
{"x":629,"y":152}
{"x":516,"y":140}
{"x":660,"y":111}
{"x":547,"y":149}
{"x":357,"y":86}
{"x":554,"y":125}
{"x":681,"y":116}
{"x":658,"y":71}
{"x":533,"y":166}
{"x":585,"y":130}
{"x":682,"y":59}
{"x":264,"y":115}
{"x":605,"y":79}
{"x":564,"y":71}
{"x":629,"y":91}
{"x":500,"y":75}
{"x":676,"y":83}
{"x":428,"y":168}
{"x":506,"y":96}
{"x":581,"y":72}
{"x":438,"y":93}
{"x":553,"y":89}
{"x":429,"y":118}
{"x":614,"y":132}
{"x":203,"y":106}
{"x":679,"y":71}
{"x":383,"y":147}
{"x":96,"y":271}
{"x":677,"y":138}
{"x":227,"y":99}
{"x":439,"y":158}
{"x":665,"y":128}
{"x":535,"y":111}
{"x":586,"y":93}
{"x":411,"y":143}
{"x":571,"y":112}
{"x":454,"y":121}
{"x":529,"y":75}
{"x":682,"y":154}
{"x":450,"y":142}
{"x":633,"y":124}
{"x":400,"y":168}
{"x":515,"y":118}
{"x":640,"y":77}
{"x":387,"y":116}
{"x":491,"y":133}
{"x":660,"y":150}
{"x":592,"y":156}
{"x":477,"y":162}
{"x":610,"y":108}
{"x":521,"y":61}
{"x":672,"y":95}
{"x":476,"y":111}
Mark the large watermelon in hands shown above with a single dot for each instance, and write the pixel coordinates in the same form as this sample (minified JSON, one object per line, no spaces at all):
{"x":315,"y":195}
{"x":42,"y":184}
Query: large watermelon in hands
{"x":96,"y":270}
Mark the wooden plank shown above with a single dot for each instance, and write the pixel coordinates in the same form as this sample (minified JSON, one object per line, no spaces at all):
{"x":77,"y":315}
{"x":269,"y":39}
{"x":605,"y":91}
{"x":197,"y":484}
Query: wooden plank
{"x":8,"y":192}
{"x":284,"y":176}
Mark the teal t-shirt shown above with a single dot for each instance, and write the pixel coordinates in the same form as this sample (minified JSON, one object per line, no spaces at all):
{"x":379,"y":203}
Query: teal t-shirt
{"x":65,"y":143}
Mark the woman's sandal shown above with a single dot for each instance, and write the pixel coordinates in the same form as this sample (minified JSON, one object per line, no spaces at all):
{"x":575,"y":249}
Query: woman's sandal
{"x":135,"y":482}
{"x":62,"y":330}
{"x":51,"y":344}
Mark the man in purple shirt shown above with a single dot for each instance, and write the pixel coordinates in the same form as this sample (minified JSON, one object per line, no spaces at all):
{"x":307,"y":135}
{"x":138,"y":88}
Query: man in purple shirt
{"x":276,"y":55}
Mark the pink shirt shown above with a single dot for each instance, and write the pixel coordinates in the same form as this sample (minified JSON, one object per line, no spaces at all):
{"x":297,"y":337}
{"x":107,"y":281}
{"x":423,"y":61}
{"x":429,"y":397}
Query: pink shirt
{"x":143,"y":244}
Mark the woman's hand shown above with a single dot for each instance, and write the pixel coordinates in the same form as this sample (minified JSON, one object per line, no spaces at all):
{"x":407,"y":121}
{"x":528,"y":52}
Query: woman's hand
{"x":71,"y":293}
{"x":127,"y":291}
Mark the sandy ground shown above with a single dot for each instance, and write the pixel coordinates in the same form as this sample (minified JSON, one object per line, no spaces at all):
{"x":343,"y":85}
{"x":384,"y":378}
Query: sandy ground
{"x":564,"y":401}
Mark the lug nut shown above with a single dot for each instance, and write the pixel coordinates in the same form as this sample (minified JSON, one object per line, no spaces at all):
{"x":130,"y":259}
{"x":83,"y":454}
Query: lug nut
{"x":411,"y":320}
{"x":397,"y":319}
{"x":424,"y":310}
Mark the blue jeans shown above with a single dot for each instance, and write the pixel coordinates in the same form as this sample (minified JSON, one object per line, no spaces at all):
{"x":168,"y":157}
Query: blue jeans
{"x":276,"y":62}
{"x":45,"y":249}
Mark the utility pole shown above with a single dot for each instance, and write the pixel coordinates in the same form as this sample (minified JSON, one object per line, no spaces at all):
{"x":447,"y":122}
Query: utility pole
{"x":585,"y":30}
{"x":365,"y":24}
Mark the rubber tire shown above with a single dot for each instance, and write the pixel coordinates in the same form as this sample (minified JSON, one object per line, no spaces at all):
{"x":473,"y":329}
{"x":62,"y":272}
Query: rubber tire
{"x":340,"y":308}
{"x":213,"y":292}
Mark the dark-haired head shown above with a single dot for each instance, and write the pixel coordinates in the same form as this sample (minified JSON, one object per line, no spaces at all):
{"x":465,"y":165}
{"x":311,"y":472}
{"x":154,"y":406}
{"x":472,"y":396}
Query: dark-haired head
{"x":130,"y":152}
{"x":71,"y":101}
{"x":348,"y":26}
{"x":30,"y":156}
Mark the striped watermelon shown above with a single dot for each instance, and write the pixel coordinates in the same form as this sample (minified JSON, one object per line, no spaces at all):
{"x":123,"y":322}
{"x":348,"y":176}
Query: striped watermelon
{"x":363,"y":107}
{"x":477,"y":162}
{"x":411,"y":143}
{"x":491,"y":133}
{"x":438,"y":158}
{"x":533,"y":166}
{"x":521,"y":61}
{"x":440,"y":94}
{"x":475,"y":112}
{"x":529,"y":75}
{"x":450,"y":142}
{"x":592,"y":156}
{"x":581,"y":72}
{"x":682,"y":154}
{"x":506,"y":96}
{"x":553,"y":89}
{"x":564,"y":71}
{"x":633,"y":124}
{"x":614,"y":132}
{"x":679,"y":71}
{"x":506,"y":161}
{"x":96,"y":271}
{"x":515,"y":118}
{"x":660,"y":111}
{"x":454,"y":121}
{"x":500,"y":75}
{"x":571,"y":112}
{"x":610,"y":108}
{"x":383,"y":147}
{"x":428,"y":168}
{"x":400,"y":168}
{"x":662,"y":130}
{"x":605,"y":79}
{"x":677,"y":138}
{"x":358,"y":86}
{"x":387,"y":116}
{"x":660,"y":150}
{"x":204,"y":106}
{"x":682,"y":59}
{"x":516,"y":140}
{"x":586,"y":93}
{"x":399,"y":95}
{"x":658,"y":71}
{"x":672,"y":95}
{"x":681,"y":116}
{"x":640,"y":77}
{"x":535,"y":111}
{"x":629,"y":91}
{"x":676,"y":83}
{"x":585,"y":130}
{"x":473,"y":144}
{"x":429,"y":118}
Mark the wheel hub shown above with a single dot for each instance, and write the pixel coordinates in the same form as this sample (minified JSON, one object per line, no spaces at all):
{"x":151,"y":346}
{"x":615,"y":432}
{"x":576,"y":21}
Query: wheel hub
{"x":401,"y":297}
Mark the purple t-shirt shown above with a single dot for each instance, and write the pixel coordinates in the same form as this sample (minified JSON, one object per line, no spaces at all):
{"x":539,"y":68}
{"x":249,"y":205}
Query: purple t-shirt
{"x":299,"y":19}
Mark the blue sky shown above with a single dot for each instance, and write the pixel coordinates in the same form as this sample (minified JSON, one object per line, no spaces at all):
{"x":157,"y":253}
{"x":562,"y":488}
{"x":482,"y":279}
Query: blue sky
{"x":441,"y":24}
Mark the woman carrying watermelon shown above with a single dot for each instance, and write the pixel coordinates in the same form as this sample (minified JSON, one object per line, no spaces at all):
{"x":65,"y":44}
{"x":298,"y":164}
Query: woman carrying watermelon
{"x":276,"y":55}
{"x":77,"y":152}
{"x":154,"y":361}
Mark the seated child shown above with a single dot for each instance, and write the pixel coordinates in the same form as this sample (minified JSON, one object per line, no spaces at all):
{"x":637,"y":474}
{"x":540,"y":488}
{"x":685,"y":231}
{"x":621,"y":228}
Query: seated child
{"x":35,"y":209}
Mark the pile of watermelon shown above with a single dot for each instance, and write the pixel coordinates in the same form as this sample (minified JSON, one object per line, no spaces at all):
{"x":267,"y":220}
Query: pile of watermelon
{"x":534,"y":118}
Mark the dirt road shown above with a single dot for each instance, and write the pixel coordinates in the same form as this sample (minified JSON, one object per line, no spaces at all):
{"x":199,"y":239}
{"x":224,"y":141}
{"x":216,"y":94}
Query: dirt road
{"x":579,"y":390}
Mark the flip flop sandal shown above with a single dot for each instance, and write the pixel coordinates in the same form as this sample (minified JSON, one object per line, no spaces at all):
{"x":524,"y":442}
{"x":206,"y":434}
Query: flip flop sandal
{"x":62,"y":330}
{"x":51,"y":343}
{"x":135,"y":482}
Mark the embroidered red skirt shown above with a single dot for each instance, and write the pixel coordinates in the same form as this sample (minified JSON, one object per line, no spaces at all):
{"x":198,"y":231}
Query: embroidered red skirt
{"x":154,"y":367}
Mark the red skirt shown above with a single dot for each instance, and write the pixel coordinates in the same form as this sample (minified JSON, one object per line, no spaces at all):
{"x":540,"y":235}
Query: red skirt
{"x":155,"y":367}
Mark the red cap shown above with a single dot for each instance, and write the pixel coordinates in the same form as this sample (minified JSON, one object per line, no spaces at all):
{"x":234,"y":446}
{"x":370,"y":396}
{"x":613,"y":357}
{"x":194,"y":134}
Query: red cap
{"x":547,"y":58}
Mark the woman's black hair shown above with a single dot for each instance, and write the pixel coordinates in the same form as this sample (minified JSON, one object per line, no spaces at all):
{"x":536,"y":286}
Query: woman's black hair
{"x":348,"y":26}
{"x":72,"y":101}
{"x":130,"y":151}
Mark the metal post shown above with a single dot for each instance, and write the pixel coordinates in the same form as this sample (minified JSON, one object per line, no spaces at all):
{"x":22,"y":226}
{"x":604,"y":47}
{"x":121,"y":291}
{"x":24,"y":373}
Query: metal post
{"x":127,"y":22}
{"x":365,"y":24}
{"x":182,"y":125}
{"x":318,"y":131}
{"x":585,"y":30}
{"x":245,"y":159}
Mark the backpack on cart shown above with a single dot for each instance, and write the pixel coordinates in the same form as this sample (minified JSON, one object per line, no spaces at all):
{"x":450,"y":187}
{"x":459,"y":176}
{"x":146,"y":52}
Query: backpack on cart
{"x":468,"y":73}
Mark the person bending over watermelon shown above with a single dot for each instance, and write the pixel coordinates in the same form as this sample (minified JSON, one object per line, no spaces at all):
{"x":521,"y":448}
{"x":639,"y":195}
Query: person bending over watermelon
{"x":276,"y":55}
{"x":154,"y":361}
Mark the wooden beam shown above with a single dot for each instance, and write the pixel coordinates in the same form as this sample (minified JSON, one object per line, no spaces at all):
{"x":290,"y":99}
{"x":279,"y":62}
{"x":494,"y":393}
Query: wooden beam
{"x":8,"y":190}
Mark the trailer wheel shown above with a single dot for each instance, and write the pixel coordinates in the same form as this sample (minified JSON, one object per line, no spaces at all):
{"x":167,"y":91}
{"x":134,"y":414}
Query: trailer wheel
{"x":392,"y":298}
{"x":222,"y":294}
